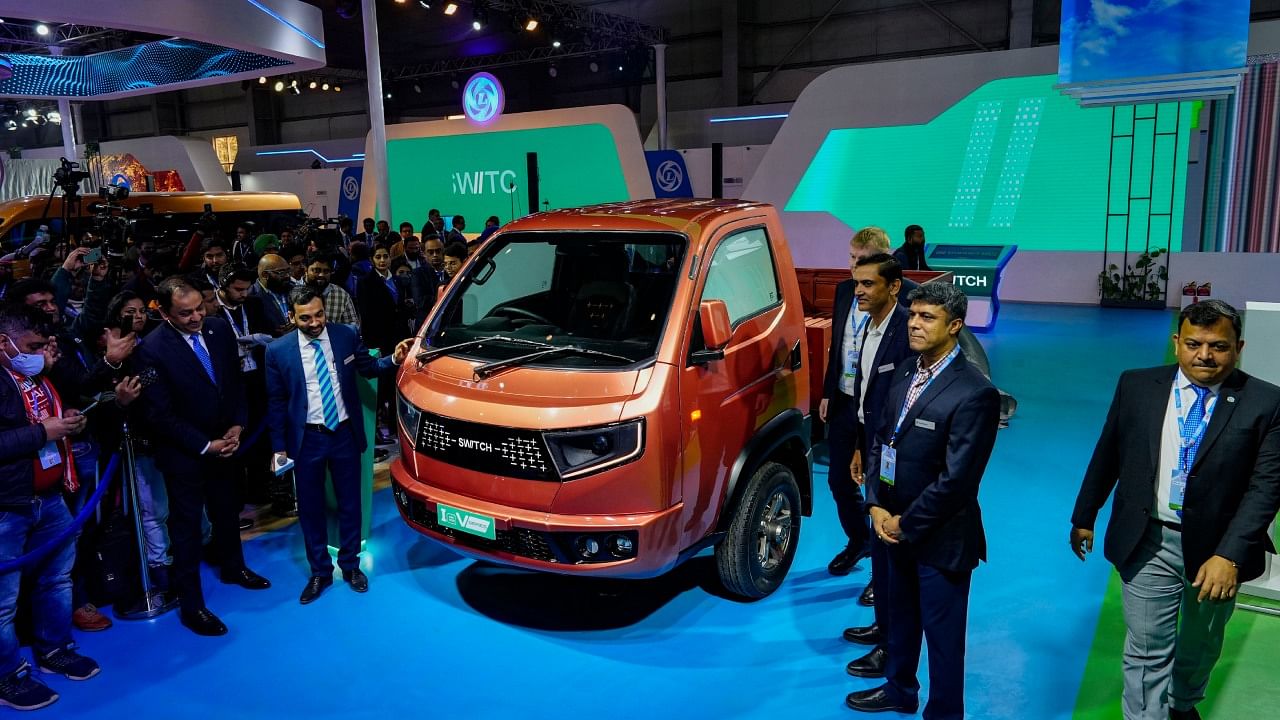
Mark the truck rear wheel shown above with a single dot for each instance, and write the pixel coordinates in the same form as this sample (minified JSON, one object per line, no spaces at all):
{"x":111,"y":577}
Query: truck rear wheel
{"x":757,"y":551}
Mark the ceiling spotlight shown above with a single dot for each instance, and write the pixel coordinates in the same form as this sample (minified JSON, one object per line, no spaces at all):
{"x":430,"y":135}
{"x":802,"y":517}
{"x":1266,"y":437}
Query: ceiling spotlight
{"x":293,"y":84}
{"x":337,"y":88}
{"x":42,"y":29}
{"x":55,"y":117}
{"x":11,"y":125}
{"x":400,"y":2}
{"x":555,"y":43}
{"x":531,"y":25}
{"x":279,"y":86}
{"x":38,"y":120}
{"x":324,"y":86}
{"x":294,"y":89}
{"x":478,"y":17}
{"x":262,"y":80}
{"x":454,"y":83}
{"x":619,"y":68}
{"x":312,"y":85}
{"x":476,"y":25}
{"x":388,"y":96}
{"x":552,"y":71}
{"x":417,"y":88}
{"x":450,"y":8}
{"x":593,"y":67}
{"x":425,"y":4}
{"x":31,"y":112}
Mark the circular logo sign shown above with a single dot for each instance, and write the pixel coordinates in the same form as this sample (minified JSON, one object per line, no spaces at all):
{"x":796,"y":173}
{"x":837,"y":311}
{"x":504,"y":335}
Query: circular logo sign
{"x":120,"y":179}
{"x":351,"y":188}
{"x":482,"y":98}
{"x":668,"y":176}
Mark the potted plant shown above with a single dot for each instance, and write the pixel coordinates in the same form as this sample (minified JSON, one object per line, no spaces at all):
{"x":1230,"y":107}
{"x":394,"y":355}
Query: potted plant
{"x":1140,"y":285}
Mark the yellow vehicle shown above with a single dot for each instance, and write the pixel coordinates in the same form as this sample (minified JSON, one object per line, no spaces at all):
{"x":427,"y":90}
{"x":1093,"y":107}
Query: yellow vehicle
{"x":178,"y":212}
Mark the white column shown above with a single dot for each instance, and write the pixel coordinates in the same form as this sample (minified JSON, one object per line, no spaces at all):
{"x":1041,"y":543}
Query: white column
{"x":68,"y":122}
{"x":660,"y":73}
{"x":375,"y":163}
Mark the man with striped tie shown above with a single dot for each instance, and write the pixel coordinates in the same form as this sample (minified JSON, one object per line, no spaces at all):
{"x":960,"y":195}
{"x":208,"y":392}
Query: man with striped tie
{"x":315,"y":417}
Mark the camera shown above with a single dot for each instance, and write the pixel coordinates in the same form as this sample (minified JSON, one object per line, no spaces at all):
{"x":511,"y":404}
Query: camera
{"x":113,"y":193}
{"x":68,"y":176}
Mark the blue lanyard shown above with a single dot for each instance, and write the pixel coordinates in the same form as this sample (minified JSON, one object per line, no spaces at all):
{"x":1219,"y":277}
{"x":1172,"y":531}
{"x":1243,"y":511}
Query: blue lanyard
{"x":857,"y":332}
{"x":1191,"y":436}
{"x":946,"y":361}
{"x":241,"y":330}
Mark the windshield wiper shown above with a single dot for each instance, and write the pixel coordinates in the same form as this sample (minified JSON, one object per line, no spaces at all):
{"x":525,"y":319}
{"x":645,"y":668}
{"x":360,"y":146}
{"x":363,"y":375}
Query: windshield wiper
{"x":427,"y":356}
{"x":490,"y":368}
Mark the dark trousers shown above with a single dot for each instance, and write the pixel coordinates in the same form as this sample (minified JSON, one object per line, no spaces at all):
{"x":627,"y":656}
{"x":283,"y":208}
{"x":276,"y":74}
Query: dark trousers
{"x":193,"y":483}
{"x":842,"y":438}
{"x":880,"y":584}
{"x":336,"y":452}
{"x":932,"y":605}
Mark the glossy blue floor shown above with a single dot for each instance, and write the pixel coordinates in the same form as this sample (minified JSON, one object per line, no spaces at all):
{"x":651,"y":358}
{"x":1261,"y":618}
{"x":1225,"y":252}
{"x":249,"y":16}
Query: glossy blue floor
{"x":438,"y":635}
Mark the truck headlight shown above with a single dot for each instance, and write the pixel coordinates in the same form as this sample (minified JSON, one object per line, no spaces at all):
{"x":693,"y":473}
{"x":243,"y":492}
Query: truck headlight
{"x":578,"y":452}
{"x":409,"y":416}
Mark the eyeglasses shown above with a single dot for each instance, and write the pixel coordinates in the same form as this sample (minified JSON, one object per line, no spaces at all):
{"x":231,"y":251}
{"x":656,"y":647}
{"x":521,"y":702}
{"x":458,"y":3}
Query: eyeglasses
{"x":276,"y":273}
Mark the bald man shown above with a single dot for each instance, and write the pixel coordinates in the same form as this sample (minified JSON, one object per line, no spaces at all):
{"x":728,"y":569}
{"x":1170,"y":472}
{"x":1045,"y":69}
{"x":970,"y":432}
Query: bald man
{"x":273,"y":286}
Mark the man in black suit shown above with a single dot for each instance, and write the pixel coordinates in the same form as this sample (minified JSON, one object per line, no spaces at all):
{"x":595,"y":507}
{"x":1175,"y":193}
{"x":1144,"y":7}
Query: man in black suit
{"x":839,"y":407}
{"x":931,"y":448}
{"x":878,"y":281}
{"x":247,"y":317}
{"x":196,"y":408}
{"x":1193,"y":453}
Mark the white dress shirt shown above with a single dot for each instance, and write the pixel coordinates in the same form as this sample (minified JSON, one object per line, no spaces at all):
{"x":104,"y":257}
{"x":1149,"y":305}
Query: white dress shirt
{"x":315,"y":404}
{"x":867,"y":361}
{"x":848,"y":344}
{"x":1171,"y":442}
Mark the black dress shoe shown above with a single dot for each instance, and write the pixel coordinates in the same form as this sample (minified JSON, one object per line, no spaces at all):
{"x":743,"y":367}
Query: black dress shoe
{"x":1191,"y":714}
{"x":203,"y":622}
{"x":878,"y":700}
{"x":356,"y":579}
{"x":247,"y":579}
{"x":315,"y":586}
{"x":870,"y":665}
{"x":846,"y":560}
{"x":868,"y":635}
{"x":868,"y":596}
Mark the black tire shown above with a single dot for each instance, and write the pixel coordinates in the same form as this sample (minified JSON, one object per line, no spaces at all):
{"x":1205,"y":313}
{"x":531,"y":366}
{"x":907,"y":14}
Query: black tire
{"x":757,"y":551}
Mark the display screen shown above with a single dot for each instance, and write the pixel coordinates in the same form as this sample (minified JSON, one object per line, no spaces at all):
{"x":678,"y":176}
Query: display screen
{"x":1016,"y":162}
{"x":481,"y":174}
{"x":966,"y":252}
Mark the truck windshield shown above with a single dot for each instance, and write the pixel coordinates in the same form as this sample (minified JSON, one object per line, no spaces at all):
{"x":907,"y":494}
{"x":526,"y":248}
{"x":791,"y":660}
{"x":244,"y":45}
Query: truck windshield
{"x":605,"y":296}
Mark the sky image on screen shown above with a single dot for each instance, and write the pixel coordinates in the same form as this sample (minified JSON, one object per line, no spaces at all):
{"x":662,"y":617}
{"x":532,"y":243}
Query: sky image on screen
{"x":1115,"y":39}
{"x":472,"y":174}
{"x":1015,"y":162}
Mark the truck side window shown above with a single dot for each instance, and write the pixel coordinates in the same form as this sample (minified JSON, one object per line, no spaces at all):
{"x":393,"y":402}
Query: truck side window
{"x":742,"y":274}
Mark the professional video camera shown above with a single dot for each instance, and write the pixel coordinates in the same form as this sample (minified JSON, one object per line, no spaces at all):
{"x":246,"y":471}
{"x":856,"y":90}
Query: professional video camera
{"x":309,"y":226}
{"x":68,"y":178}
{"x":113,"y":223}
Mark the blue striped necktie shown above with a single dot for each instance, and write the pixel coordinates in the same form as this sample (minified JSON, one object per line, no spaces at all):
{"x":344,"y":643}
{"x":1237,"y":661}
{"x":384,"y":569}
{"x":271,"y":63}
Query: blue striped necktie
{"x":203,"y":356}
{"x":325,"y":380}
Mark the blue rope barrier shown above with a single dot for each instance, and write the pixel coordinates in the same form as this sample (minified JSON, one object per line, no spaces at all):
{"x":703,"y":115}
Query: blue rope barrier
{"x":113,"y":465}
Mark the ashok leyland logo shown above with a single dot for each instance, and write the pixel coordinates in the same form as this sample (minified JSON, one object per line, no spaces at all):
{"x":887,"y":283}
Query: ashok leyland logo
{"x":350,"y":188}
{"x":668,"y":176}
{"x":483,"y":98}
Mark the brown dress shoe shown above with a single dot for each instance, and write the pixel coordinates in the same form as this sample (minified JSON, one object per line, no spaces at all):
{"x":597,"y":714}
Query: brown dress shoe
{"x":89,"y":619}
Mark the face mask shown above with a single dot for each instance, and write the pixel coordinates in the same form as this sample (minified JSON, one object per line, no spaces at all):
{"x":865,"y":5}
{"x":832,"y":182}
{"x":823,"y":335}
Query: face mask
{"x":29,"y":364}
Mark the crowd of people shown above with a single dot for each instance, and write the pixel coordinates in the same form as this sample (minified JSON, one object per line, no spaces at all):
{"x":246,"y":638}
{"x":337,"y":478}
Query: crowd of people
{"x":189,"y":351}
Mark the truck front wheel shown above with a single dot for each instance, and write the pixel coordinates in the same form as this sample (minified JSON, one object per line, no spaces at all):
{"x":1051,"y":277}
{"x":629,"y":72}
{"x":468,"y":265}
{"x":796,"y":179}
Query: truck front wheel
{"x":757,"y":551}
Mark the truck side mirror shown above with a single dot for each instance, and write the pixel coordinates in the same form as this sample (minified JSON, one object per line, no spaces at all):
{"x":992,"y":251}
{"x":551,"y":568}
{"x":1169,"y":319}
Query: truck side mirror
{"x":716,"y":331}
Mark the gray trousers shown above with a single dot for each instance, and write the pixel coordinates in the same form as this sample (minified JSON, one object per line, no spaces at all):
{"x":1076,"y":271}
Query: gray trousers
{"x":1172,"y":641}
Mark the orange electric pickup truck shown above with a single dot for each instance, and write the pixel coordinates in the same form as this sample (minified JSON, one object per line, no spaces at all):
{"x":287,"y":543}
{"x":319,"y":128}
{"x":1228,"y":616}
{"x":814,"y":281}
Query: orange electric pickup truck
{"x":610,"y":390}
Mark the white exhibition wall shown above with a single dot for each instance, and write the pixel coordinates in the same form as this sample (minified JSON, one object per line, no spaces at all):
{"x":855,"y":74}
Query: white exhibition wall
{"x":317,"y":190}
{"x":192,"y":158}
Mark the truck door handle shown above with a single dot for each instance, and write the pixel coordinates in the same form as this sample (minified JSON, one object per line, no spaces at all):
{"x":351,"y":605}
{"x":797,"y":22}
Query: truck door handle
{"x":797,"y":358}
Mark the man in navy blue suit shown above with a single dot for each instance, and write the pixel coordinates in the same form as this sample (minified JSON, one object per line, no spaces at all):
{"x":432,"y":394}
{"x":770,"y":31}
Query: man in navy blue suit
{"x":197,"y":409}
{"x":316,"y":419}
{"x":877,"y":282}
{"x":924,"y":467}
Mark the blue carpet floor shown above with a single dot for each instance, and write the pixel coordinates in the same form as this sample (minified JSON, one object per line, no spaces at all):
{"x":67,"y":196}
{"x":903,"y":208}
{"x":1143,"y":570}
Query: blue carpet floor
{"x":441,"y":636}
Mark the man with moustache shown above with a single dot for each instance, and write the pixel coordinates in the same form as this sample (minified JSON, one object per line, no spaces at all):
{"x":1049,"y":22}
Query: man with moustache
{"x":338,"y":305}
{"x":273,"y":286}
{"x":1192,"y":453}
{"x":316,"y":419}
{"x":197,"y":410}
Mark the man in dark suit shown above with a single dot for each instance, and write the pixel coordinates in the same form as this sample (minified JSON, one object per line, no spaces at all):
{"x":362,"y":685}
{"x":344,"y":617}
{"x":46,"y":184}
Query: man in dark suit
{"x":273,"y":286}
{"x":316,"y":419}
{"x":839,"y":408}
{"x":878,"y":281}
{"x":1193,"y":453}
{"x":247,"y":317}
{"x":196,"y":408}
{"x":931,"y":448}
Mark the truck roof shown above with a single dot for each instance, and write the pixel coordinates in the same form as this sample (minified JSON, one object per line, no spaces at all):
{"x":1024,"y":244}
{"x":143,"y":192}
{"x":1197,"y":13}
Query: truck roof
{"x":653,"y":214}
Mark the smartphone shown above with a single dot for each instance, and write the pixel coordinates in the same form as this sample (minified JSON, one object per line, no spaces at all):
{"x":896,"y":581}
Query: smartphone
{"x":89,"y":407}
{"x":93,"y":256}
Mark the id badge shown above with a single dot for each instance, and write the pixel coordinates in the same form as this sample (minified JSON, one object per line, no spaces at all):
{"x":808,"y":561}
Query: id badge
{"x":1177,"y":490}
{"x":247,"y":363}
{"x":888,"y":464}
{"x":851,"y":363}
{"x":49,"y":455}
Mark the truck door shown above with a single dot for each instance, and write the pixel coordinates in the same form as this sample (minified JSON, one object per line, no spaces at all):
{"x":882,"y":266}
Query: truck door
{"x":724,"y":401}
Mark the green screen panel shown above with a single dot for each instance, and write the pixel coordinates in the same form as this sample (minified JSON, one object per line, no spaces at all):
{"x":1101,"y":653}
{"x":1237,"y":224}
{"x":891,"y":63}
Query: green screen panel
{"x":470,"y":174}
{"x":1015,"y":162}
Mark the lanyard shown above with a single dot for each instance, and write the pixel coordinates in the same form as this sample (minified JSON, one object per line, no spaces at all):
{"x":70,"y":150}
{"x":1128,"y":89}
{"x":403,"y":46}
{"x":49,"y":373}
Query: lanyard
{"x":907,"y":402}
{"x":242,"y":327}
{"x":1191,"y":436}
{"x":857,"y":332}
